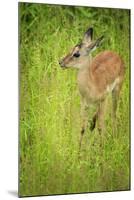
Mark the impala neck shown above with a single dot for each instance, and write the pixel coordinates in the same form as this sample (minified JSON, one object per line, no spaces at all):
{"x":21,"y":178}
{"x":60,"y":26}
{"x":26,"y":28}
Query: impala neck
{"x":86,"y":63}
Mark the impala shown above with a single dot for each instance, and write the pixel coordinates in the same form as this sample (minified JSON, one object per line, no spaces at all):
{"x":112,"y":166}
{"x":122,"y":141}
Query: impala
{"x":96,"y":78}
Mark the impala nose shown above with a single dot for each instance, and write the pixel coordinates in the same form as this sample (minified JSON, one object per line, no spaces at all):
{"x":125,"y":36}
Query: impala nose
{"x":61,"y":63}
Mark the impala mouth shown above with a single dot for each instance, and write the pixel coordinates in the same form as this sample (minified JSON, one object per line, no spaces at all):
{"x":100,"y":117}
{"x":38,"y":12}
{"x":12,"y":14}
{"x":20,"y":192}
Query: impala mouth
{"x":62,"y":66}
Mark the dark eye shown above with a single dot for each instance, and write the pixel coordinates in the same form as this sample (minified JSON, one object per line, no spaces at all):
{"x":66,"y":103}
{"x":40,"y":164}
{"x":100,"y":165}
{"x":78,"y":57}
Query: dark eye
{"x":76,"y":54}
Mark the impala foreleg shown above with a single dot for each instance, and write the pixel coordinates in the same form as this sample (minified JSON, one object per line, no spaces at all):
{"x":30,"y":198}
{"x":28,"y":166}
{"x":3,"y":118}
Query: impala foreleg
{"x":84,"y":120}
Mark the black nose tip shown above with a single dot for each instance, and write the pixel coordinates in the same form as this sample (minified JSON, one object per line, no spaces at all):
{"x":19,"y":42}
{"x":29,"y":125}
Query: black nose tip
{"x":61,"y":63}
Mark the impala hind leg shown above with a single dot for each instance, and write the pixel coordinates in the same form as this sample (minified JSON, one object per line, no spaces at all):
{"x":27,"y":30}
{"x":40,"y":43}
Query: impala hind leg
{"x":93,"y":122}
{"x":115,"y":97}
{"x":101,"y":114}
{"x":101,"y":122}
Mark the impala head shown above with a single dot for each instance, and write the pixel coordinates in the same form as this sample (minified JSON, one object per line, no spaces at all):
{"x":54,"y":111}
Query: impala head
{"x":79,"y":55}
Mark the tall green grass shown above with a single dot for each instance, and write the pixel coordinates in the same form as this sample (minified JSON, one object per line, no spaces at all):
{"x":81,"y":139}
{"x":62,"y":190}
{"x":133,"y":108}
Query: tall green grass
{"x":50,"y":104}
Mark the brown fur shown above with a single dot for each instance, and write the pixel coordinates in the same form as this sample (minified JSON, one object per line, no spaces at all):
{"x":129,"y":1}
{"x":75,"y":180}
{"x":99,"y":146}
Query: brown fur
{"x":105,"y":68}
{"x":96,"y":78}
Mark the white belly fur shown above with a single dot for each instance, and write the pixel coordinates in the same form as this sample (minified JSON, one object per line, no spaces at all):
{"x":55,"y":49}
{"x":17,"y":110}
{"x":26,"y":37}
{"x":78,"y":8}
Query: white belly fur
{"x":112,"y":86}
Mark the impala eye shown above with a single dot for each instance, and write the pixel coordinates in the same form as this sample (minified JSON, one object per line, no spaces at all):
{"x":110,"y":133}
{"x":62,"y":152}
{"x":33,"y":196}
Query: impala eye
{"x":76,"y":54}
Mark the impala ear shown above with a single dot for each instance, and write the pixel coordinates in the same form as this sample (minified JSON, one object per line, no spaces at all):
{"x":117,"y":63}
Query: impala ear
{"x":99,"y":41}
{"x":96,"y":43}
{"x":88,"y":36}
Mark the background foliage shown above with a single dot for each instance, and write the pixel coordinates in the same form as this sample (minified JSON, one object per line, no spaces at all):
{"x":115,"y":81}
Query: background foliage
{"x":50,"y":103}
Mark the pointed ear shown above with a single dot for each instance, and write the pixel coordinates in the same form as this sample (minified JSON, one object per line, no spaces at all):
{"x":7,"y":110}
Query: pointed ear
{"x":96,"y":43}
{"x":88,"y":36}
{"x":99,"y":41}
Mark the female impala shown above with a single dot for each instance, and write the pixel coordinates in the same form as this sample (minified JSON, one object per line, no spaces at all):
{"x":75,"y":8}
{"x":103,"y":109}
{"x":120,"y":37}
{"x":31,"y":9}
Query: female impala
{"x":96,"y":78}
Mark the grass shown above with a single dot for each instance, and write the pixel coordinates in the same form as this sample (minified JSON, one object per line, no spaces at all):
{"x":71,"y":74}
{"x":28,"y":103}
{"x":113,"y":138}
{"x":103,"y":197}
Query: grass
{"x":50,"y":104}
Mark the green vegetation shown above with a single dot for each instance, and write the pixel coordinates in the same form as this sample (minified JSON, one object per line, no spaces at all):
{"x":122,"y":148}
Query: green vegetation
{"x":50,"y":104}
